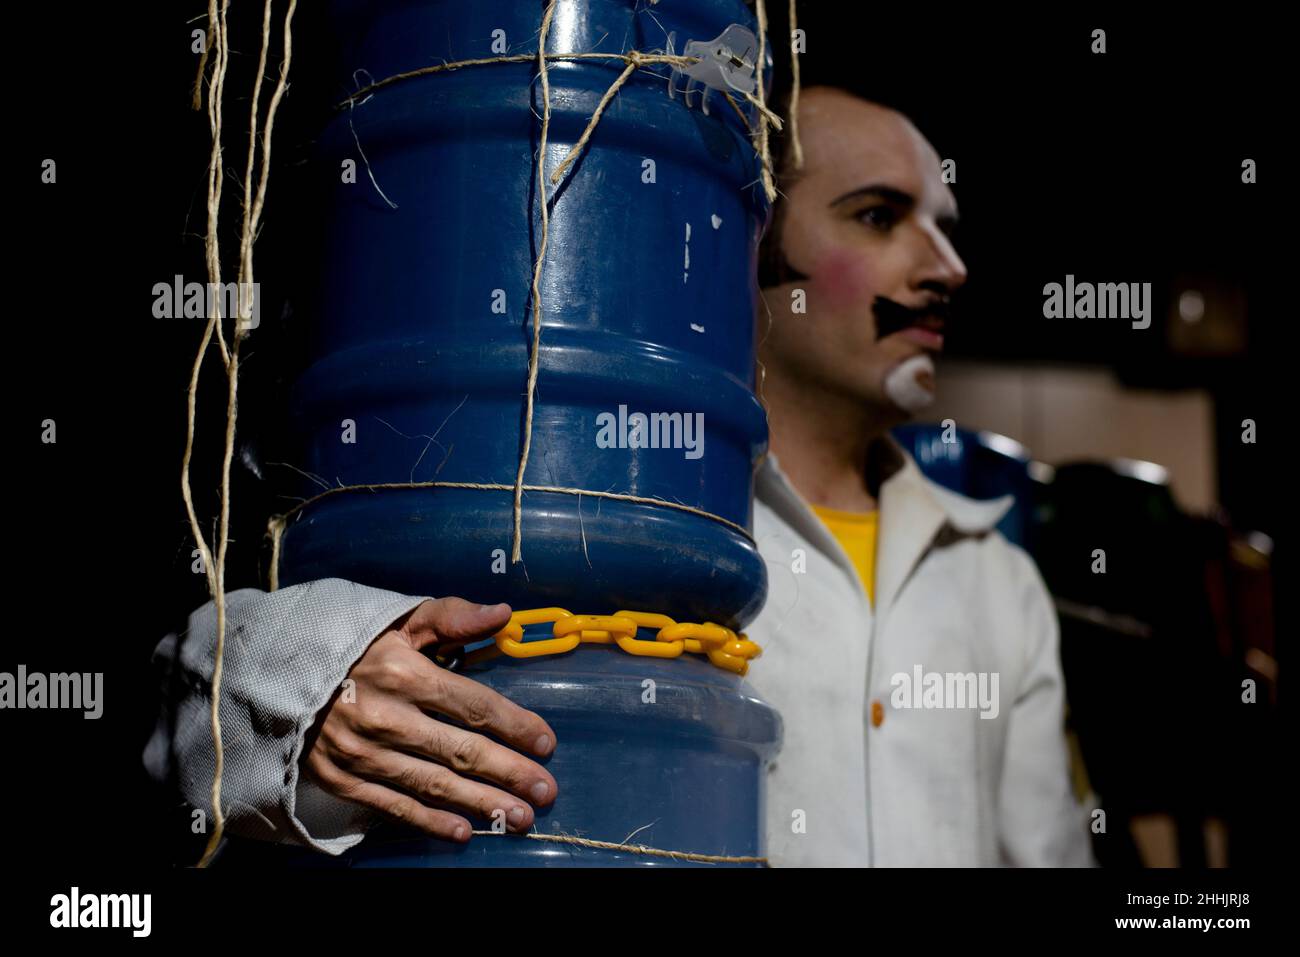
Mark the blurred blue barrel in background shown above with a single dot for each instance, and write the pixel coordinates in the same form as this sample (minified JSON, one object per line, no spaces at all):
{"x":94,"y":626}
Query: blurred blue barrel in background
{"x":982,"y":465}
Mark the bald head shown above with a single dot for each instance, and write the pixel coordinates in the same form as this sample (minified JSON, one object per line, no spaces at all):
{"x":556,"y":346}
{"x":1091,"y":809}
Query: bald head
{"x":843,"y":133}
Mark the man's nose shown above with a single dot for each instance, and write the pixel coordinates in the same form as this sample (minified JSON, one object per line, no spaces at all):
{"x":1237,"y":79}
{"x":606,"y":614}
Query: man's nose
{"x":942,"y":266}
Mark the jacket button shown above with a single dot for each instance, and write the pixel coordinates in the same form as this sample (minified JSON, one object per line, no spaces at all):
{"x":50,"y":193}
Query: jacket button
{"x":877,"y":714}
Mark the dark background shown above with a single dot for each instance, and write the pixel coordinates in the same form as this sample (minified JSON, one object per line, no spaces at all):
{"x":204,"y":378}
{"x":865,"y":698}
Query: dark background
{"x":1123,"y":166}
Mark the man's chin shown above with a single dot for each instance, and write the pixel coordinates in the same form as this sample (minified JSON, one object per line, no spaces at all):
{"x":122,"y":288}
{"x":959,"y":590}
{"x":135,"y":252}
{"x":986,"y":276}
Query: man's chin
{"x":910,"y":385}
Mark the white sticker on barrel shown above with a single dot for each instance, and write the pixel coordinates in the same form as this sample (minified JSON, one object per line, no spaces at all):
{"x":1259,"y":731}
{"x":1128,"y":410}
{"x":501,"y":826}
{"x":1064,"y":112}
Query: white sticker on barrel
{"x":686,"y":261}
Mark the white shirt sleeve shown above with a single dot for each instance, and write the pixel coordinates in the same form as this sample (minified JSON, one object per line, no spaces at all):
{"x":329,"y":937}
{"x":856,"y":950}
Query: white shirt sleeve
{"x":286,"y":654}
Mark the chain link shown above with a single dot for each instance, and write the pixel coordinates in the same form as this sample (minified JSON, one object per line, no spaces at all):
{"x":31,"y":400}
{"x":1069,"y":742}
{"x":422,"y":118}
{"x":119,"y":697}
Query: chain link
{"x":723,"y":647}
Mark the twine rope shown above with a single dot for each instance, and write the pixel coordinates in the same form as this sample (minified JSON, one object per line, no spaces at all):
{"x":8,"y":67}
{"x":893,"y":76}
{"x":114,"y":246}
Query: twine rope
{"x":630,"y":848}
{"x":277,"y":524}
{"x":517,"y":510}
{"x":796,"y":146}
{"x":217,"y":43}
{"x":252,"y":212}
{"x":645,"y":58}
{"x":633,"y":59}
{"x":769,"y":184}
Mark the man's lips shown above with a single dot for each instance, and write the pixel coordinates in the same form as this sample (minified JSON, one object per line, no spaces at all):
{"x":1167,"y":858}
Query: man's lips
{"x":922,"y":326}
{"x":923,"y":336}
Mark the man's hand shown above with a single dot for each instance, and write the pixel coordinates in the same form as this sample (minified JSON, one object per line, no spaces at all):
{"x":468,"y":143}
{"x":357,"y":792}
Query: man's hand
{"x":386,"y":751}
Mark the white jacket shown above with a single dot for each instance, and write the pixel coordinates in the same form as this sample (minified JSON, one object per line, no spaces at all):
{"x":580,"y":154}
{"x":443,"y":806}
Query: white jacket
{"x":928,"y":786}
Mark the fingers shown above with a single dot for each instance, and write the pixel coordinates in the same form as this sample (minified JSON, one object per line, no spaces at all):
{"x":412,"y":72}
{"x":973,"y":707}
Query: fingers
{"x":401,"y":685}
{"x":382,"y":750}
{"x":392,"y":804}
{"x":467,"y":753}
{"x":453,"y":621}
{"x":370,"y":753}
{"x":478,"y":707}
{"x":434,"y":784}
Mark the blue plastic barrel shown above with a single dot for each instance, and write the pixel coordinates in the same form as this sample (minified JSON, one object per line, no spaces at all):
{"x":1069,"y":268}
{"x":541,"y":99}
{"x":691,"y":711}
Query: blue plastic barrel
{"x":636,"y":317}
{"x":684,"y":773}
{"x":421,"y":327}
{"x":982,"y":465}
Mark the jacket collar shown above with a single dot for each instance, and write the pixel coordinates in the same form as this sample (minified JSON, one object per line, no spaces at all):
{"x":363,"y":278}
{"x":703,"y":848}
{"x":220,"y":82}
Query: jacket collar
{"x":913,"y":511}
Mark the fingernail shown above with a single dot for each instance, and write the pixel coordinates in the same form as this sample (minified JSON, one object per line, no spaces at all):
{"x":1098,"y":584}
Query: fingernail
{"x":540,"y":791}
{"x":542,"y":745}
{"x":461,"y":833}
{"x":490,"y":609}
{"x":516,"y":816}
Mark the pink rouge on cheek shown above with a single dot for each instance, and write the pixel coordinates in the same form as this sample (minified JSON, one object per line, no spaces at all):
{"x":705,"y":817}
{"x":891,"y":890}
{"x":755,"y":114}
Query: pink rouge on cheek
{"x":844,"y":280}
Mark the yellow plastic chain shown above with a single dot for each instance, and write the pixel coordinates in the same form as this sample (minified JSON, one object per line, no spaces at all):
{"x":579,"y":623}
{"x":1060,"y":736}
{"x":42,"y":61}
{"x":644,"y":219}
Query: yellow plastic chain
{"x":724,"y":647}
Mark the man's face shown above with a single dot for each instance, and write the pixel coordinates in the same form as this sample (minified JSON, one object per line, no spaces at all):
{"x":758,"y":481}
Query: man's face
{"x":866,"y":219}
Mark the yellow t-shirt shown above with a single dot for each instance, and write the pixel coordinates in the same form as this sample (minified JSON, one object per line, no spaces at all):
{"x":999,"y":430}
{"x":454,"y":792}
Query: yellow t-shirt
{"x":856,"y":532}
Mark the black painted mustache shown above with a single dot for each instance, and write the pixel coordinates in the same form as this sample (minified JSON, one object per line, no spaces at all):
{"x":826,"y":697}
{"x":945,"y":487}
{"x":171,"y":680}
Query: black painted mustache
{"x":894,"y":317}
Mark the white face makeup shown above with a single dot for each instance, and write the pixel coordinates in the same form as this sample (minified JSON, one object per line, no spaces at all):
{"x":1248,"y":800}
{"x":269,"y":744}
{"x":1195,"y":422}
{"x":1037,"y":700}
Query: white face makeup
{"x":910,"y":386}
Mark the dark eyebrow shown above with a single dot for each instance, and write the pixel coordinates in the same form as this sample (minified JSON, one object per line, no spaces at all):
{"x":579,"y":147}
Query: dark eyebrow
{"x":887,"y":193}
